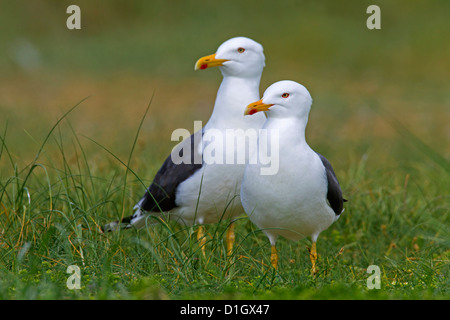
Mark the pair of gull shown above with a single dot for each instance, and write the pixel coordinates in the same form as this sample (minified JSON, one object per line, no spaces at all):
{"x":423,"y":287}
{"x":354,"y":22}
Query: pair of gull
{"x":302,"y":199}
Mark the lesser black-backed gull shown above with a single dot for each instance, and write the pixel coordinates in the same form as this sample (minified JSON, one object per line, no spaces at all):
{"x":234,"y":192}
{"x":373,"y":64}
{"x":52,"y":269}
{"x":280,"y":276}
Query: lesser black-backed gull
{"x":304,"y":197}
{"x":200,"y":192}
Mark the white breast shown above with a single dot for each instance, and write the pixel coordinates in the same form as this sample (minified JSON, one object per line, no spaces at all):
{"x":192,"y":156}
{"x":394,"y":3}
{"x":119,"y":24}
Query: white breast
{"x":291,"y":203}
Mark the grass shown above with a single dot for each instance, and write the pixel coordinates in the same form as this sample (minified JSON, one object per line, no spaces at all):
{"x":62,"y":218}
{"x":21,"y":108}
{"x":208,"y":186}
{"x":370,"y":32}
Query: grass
{"x":52,"y":209}
{"x":65,"y":171}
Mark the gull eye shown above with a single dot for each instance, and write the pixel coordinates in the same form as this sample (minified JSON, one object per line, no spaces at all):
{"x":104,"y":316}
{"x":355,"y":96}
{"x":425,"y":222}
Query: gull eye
{"x":285,"y":95}
{"x":240,"y":50}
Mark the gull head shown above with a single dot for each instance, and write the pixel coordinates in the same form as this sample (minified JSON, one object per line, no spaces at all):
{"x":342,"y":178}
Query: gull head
{"x":239,"y":57}
{"x":283,"y":99}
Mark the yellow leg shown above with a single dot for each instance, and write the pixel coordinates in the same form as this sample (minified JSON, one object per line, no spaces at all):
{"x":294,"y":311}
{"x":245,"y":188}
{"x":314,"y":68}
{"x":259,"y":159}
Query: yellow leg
{"x":202,"y":239}
{"x":313,"y":257}
{"x":230,"y":239}
{"x":274,"y":257}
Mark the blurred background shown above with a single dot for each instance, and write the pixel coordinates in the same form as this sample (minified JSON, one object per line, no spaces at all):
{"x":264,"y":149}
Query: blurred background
{"x":380,"y":114}
{"x":379,"y":95}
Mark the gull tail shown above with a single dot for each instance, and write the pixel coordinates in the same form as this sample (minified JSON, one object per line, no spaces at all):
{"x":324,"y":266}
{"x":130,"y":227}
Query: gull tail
{"x":137,"y":220}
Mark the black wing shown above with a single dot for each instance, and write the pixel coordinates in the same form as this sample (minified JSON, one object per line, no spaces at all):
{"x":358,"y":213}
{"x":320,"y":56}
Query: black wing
{"x":334,"y":194}
{"x":160,"y":196}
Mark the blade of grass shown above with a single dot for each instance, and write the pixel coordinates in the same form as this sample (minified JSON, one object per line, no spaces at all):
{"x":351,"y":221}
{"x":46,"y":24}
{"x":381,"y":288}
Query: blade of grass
{"x":4,"y":147}
{"x":132,"y":150}
{"x":32,"y":165}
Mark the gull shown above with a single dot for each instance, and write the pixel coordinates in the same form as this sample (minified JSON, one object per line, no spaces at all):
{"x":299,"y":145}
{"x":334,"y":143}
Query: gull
{"x":304,"y":197}
{"x":197,"y":192}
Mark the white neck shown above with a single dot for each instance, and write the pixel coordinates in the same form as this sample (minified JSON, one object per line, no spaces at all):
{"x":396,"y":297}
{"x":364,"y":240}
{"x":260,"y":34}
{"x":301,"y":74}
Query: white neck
{"x":232,"y":97}
{"x":292,"y":129}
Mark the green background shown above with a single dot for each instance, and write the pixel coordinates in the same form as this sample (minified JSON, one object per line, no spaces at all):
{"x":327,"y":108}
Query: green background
{"x":380,"y":114}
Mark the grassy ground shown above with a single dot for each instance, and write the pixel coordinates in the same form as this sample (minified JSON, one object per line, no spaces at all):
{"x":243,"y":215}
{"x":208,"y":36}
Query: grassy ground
{"x":382,"y":96}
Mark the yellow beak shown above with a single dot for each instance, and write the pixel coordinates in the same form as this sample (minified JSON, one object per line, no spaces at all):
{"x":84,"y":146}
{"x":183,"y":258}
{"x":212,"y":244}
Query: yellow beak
{"x":208,"y":62}
{"x":257,"y":106}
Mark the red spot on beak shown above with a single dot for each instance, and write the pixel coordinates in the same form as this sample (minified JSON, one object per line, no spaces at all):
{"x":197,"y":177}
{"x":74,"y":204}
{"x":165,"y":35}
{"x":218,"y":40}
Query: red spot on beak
{"x":203,"y":66}
{"x":252,"y":111}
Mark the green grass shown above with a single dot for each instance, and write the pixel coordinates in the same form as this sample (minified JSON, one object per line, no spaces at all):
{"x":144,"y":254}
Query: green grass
{"x":52,"y":209}
{"x":381,"y":97}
